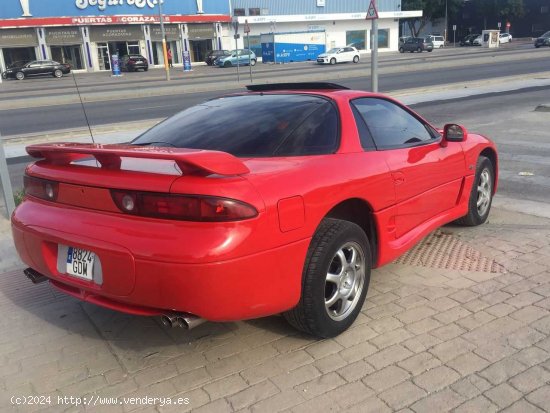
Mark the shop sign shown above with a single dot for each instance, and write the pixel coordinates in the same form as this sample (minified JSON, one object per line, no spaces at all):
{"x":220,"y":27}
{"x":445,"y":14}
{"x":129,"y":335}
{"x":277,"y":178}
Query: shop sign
{"x":117,"y":20}
{"x":171,"y":31}
{"x":201,"y":31}
{"x":17,"y":9}
{"x":18,"y":37}
{"x":104,"y":20}
{"x":64,"y":35}
{"x":112,"y":4}
{"x":115,"y":33}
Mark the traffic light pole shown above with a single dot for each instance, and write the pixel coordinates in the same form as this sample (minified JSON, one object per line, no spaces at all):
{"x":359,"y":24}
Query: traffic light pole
{"x":164,"y":49}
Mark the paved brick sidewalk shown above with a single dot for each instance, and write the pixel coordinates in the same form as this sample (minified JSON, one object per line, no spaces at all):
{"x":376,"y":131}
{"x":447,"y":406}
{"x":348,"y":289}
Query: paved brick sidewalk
{"x":428,"y":339}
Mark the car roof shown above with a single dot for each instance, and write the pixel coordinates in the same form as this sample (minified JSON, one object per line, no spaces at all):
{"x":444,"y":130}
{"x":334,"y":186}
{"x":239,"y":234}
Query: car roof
{"x":294,"y":86}
{"x":330,"y":90}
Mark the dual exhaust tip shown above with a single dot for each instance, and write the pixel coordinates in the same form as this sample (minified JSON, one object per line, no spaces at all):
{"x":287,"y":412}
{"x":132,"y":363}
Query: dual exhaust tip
{"x":183,"y":320}
{"x":172,"y":320}
{"x":34,"y":276}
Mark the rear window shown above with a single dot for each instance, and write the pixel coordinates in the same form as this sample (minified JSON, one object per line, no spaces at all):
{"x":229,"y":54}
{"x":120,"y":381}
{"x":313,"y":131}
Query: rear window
{"x":261,"y":125}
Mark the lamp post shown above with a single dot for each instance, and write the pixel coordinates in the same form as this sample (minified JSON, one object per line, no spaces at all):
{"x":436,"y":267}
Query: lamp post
{"x":446,"y":22}
{"x":164,"y":49}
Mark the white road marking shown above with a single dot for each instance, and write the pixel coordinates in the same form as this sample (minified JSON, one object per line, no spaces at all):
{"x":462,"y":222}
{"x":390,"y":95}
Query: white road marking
{"x":152,"y":107}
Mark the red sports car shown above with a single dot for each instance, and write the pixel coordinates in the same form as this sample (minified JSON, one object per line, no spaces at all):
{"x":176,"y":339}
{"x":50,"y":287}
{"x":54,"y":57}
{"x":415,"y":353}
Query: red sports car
{"x":284,"y":206}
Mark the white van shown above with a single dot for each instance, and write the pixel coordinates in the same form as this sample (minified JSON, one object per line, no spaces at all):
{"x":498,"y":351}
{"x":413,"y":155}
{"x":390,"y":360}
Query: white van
{"x":438,"y":41}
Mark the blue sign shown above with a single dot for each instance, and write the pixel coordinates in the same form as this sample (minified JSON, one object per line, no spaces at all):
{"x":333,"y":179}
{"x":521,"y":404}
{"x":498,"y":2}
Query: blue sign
{"x":115,"y":65}
{"x":15,"y":9}
{"x":186,"y":61}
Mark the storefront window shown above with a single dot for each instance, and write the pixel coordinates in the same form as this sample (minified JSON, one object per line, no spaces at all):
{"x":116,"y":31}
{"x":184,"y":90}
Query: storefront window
{"x":133,"y":48}
{"x":68,"y":54}
{"x":201,"y":39}
{"x":383,"y":38}
{"x":18,"y":45}
{"x":357,"y":39}
{"x":66,"y":45}
{"x":18,"y":54}
{"x":255,"y":44}
{"x":158,"y":54}
{"x":199,"y":49}
{"x":103,"y":56}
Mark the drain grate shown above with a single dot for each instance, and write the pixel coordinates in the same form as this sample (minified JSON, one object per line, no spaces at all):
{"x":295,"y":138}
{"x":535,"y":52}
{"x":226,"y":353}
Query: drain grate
{"x":440,"y":250}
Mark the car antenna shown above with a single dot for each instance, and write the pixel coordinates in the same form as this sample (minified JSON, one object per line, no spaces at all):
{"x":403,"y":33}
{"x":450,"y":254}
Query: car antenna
{"x":81,"y":103}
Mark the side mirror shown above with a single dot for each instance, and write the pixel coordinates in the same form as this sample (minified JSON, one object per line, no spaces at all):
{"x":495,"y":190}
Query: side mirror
{"x":454,"y":133}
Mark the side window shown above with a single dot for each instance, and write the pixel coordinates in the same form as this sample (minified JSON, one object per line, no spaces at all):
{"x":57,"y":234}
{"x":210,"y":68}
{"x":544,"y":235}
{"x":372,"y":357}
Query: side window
{"x":367,"y":143}
{"x":317,"y":134}
{"x":390,"y":125}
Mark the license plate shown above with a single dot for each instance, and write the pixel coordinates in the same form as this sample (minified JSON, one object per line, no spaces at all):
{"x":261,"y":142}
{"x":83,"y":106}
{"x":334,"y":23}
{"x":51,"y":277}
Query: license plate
{"x":80,"y":263}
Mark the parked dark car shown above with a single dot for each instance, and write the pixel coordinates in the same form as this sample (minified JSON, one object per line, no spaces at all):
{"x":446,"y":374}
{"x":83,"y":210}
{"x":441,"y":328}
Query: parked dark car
{"x":469,"y":39}
{"x":214,"y":54}
{"x":543,"y":40}
{"x":23,"y":69}
{"x":416,"y":44}
{"x":133,"y":63}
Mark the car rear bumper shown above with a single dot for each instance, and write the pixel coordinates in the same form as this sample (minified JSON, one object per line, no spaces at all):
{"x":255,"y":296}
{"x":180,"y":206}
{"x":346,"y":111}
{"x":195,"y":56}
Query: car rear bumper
{"x":250,"y":286}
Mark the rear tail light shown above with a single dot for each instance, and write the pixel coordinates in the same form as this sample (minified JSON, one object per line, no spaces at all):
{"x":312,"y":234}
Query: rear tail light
{"x":182,"y":207}
{"x":41,"y":188}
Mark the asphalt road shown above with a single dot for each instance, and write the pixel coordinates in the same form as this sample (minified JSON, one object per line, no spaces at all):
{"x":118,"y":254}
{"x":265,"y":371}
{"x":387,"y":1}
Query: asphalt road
{"x":469,"y":66}
{"x":154,"y":78}
{"x":520,"y":133}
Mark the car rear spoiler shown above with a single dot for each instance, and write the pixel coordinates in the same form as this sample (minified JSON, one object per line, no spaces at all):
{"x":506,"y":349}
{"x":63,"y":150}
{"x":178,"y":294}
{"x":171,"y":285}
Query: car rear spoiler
{"x":190,"y":161}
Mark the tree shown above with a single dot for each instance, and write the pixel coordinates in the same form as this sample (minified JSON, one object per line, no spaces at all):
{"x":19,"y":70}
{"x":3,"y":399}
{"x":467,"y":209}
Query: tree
{"x":500,"y":9}
{"x":512,"y":8}
{"x":431,"y":9}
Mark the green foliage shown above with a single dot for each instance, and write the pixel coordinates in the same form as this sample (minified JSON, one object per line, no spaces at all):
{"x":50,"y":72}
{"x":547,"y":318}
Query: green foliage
{"x":18,"y":196}
{"x":431,"y":9}
{"x":500,"y":9}
{"x":512,"y":8}
{"x":434,"y":9}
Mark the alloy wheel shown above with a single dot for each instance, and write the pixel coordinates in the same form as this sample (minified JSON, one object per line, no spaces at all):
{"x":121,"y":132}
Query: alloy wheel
{"x":345,"y":281}
{"x":483,"y":192}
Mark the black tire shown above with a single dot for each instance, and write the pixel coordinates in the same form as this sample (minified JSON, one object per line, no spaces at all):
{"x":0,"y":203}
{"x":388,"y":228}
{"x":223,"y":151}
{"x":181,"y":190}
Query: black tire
{"x":430,"y":50}
{"x":537,"y":46}
{"x":20,"y":75}
{"x":227,"y":64}
{"x":401,"y":50}
{"x":355,"y":59}
{"x":252,"y":62}
{"x":145,"y":69}
{"x":57,"y":73}
{"x":311,"y":315}
{"x":333,"y":61}
{"x":419,"y":50}
{"x":475,"y":216}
